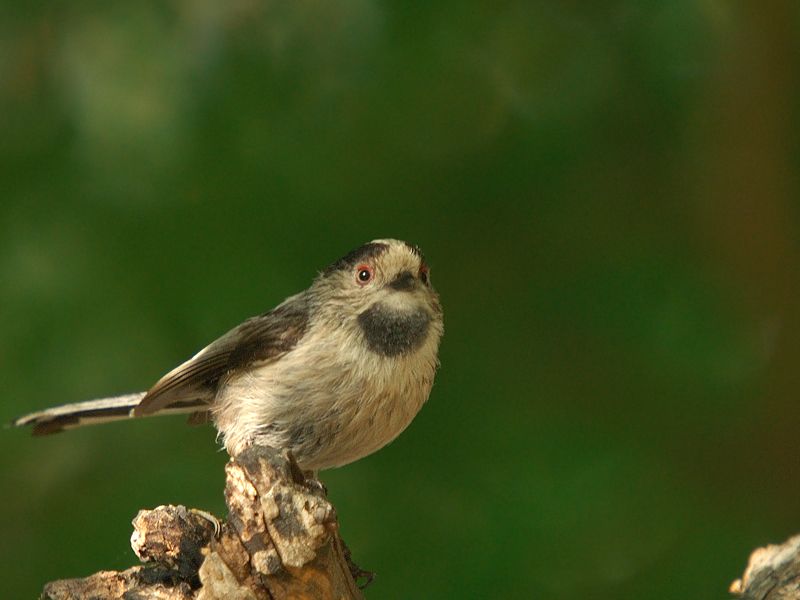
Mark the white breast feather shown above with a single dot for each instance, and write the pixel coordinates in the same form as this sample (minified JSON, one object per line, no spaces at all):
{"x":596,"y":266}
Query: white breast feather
{"x":358,"y":401}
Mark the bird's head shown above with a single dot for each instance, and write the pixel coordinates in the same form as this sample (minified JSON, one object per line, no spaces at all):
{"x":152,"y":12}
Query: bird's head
{"x":383,"y":289}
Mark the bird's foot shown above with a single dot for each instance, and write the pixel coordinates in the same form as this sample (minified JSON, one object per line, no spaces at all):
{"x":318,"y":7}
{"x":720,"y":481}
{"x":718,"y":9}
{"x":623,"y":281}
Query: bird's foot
{"x":210,"y":518}
{"x":360,"y":576}
{"x":312,"y":481}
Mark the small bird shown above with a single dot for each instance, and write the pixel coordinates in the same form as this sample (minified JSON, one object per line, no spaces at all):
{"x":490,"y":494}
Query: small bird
{"x":332,"y":374}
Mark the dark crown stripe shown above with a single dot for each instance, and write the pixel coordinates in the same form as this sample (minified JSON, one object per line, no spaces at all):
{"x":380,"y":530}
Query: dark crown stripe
{"x":360,"y":254}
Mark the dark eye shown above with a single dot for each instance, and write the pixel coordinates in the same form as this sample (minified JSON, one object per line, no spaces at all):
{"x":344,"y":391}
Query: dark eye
{"x":363,"y":274}
{"x":423,"y":274}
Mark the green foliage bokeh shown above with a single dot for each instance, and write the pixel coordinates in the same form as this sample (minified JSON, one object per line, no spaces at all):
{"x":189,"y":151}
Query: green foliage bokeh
{"x":605,"y":194}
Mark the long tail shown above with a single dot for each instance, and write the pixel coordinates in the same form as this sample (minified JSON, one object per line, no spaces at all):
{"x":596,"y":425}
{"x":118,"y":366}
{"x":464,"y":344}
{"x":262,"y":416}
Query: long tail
{"x":91,"y":412}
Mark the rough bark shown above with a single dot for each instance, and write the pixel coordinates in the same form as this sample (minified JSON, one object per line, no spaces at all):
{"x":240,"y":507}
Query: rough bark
{"x":280,"y":540}
{"x":773,"y":573}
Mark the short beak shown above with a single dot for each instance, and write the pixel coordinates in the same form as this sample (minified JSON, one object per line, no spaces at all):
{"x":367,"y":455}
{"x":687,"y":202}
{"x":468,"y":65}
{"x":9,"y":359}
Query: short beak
{"x":404,"y":282}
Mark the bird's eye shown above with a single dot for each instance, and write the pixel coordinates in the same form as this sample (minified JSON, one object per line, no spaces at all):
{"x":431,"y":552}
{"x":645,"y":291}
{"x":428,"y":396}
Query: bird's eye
{"x":364,"y":274}
{"x":423,"y":274}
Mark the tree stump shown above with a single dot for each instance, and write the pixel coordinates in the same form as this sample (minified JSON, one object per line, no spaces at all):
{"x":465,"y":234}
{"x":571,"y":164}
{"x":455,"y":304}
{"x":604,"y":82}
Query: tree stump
{"x":281,"y":540}
{"x":773,"y":573}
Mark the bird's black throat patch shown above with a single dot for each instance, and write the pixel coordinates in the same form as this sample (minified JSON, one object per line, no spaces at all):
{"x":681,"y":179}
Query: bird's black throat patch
{"x":390,"y":333}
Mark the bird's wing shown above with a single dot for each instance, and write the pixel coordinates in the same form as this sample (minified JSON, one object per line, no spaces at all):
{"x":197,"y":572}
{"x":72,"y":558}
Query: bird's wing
{"x":259,"y":339}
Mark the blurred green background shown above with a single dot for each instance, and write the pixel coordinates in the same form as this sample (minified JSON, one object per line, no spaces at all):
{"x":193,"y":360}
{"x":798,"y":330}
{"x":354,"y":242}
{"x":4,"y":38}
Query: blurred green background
{"x":607,"y":195}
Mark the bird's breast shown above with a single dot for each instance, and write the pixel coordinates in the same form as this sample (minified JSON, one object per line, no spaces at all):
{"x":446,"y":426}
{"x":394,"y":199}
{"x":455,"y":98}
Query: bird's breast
{"x":330,"y":400}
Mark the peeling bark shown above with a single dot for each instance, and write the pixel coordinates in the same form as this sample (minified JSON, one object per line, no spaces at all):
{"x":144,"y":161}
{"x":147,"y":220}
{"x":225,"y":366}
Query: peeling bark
{"x":280,"y":541}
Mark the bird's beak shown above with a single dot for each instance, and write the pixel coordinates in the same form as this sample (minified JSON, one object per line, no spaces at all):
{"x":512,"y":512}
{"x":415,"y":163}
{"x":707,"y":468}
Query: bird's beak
{"x":404,"y":282}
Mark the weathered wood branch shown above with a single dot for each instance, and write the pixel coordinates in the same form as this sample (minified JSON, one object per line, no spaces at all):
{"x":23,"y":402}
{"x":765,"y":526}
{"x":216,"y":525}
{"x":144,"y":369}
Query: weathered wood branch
{"x":773,"y":573}
{"x":280,"y":540}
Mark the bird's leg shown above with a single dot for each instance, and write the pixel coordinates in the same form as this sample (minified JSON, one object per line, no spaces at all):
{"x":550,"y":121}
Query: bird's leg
{"x":313,"y":482}
{"x":356,"y":572}
{"x":307,"y":477}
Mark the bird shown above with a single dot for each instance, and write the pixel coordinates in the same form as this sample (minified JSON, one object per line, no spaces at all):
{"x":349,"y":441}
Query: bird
{"x":331,"y":374}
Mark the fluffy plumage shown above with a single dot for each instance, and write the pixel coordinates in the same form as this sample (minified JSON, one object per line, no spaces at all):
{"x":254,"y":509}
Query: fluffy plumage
{"x":332,"y":373}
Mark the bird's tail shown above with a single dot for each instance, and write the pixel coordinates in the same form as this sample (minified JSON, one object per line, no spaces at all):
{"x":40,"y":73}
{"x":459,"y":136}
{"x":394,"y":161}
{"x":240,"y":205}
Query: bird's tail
{"x":104,"y":410}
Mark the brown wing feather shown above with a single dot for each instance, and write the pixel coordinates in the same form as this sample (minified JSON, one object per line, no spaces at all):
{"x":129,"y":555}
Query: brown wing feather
{"x":257,"y":340}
